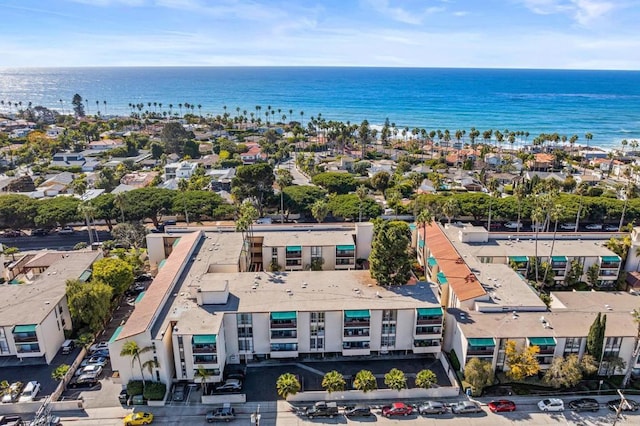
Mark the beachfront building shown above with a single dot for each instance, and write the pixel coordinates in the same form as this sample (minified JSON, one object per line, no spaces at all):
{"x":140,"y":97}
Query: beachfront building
{"x":480,"y":283}
{"x":205,"y":311}
{"x":34,"y":313}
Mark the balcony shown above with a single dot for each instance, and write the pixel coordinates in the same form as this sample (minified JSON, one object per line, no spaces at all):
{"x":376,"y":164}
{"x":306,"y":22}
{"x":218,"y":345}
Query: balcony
{"x":204,"y":349}
{"x":547,"y":345}
{"x":357,"y":318}
{"x":204,"y":343}
{"x":284,"y":334}
{"x":284,"y":350}
{"x":294,"y":252}
{"x":429,"y":316}
{"x":423,"y":346}
{"x":481,"y":347}
{"x":608,"y":273}
{"x":346,"y":251}
{"x":25,"y":338}
{"x":356,"y":348}
{"x":609,"y":262}
{"x":480,"y":351}
{"x":205,"y":359}
{"x":26,"y":348}
{"x":356,"y":332}
{"x":428,"y":330}
{"x":281,"y":320}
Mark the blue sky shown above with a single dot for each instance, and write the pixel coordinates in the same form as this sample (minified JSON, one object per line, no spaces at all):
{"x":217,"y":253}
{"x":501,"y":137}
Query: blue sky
{"x":574,"y":34}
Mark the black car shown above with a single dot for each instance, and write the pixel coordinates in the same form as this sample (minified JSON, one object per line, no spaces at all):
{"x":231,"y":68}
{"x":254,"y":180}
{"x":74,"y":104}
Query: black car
{"x":358,"y":411}
{"x":83,"y":381}
{"x":179,"y":391}
{"x":629,"y":405}
{"x":40,"y":232}
{"x":584,"y":404}
{"x":123,"y":397}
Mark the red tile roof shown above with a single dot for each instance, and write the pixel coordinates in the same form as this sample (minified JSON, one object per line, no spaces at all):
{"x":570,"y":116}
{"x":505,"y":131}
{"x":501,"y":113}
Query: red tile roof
{"x":155,"y":297}
{"x":460,"y":278}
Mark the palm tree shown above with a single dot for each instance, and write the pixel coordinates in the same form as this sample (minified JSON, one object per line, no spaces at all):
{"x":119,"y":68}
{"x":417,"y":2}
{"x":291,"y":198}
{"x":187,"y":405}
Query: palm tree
{"x":287,"y":384}
{"x":365,"y":381}
{"x":12,"y":251}
{"x":320,"y":210}
{"x":424,"y":218}
{"x":395,"y":379}
{"x":183,"y":185}
{"x":493,"y":188}
{"x":537,"y":217}
{"x":520,"y":194}
{"x":133,"y":350}
{"x":361,"y":192}
{"x":120,"y":200}
{"x":333,"y":382}
{"x":450,"y":209}
{"x":426,"y":379}
{"x":203,"y":375}
{"x":556,"y":213}
{"x":629,"y":191}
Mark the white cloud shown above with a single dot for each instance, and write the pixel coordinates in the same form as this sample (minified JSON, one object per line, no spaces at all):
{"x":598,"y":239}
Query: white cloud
{"x":584,"y":12}
{"x":461,"y":13}
{"x":400,"y":14}
{"x":588,"y":11}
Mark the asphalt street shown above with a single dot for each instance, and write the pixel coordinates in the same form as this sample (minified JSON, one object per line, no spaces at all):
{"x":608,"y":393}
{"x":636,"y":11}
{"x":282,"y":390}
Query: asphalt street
{"x":53,"y":241}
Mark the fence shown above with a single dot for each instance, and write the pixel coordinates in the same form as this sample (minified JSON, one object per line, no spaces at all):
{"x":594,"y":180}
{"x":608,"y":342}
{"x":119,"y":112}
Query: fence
{"x":382,"y":394}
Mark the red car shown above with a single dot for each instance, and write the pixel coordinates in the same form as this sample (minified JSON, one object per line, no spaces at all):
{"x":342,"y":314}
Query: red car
{"x":397,"y":409}
{"x":502,"y":405}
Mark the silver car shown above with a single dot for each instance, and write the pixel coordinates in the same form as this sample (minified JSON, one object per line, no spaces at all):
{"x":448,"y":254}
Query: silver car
{"x":465,"y":407}
{"x":432,"y":407}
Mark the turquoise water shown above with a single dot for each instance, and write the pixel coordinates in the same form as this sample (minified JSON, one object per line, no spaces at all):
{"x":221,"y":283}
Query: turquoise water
{"x":604,"y":103}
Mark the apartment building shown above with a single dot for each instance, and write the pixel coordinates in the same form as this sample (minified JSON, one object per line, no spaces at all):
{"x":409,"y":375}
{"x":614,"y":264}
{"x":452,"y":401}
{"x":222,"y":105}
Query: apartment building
{"x":489,"y":302}
{"x":34,"y":313}
{"x":204,"y":310}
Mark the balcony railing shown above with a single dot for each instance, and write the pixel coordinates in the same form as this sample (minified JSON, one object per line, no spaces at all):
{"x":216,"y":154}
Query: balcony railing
{"x":425,"y":343}
{"x":428,"y":330}
{"x":205,"y":359}
{"x":28,"y":348}
{"x":284,"y":324}
{"x":284,"y":347}
{"x":291,"y":334}
{"x":609,"y":265}
{"x":429,"y":320}
{"x":558,"y":265}
{"x":294,"y":255}
{"x":356,"y":332}
{"x":480,"y":352}
{"x":204,"y":349}
{"x":549,"y":350}
{"x":608,"y":273}
{"x":357,"y":323}
{"x":25,"y":338}
{"x":345,"y":253}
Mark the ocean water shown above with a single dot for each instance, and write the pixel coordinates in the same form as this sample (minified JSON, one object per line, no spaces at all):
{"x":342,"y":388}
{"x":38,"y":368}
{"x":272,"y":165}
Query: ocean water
{"x":604,"y":103}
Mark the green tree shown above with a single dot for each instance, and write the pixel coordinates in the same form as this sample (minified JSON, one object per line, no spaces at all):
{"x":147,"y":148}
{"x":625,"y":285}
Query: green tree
{"x":10,"y":251}
{"x":300,"y":198}
{"x":17,"y":211}
{"x":450,"y":209}
{"x":114,"y":272}
{"x":57,"y":210}
{"x":148,"y":203}
{"x":254,"y":181}
{"x":203,"y":375}
{"x":593,"y":272}
{"x":566,"y":371}
{"x":426,"y":379}
{"x":333,"y":382}
{"x":380,"y":181}
{"x":478,"y":373}
{"x":133,"y":350}
{"x":521,"y":363}
{"x":89,"y":303}
{"x":60,"y":372}
{"x":350,"y":206}
{"x":78,"y":106}
{"x":174,"y":137}
{"x":197,"y":205}
{"x":334,"y":182}
{"x":365,"y":381}
{"x":287,"y":384}
{"x":423,"y":220}
{"x":320,"y":210}
{"x":595,"y":338}
{"x":395,"y":379}
{"x":390,"y":264}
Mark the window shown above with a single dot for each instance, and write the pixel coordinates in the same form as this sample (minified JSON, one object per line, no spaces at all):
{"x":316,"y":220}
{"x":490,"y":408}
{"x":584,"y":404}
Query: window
{"x":274,"y":252}
{"x":205,"y":359}
{"x":317,"y":317}
{"x":245,"y":345}
{"x":316,"y":252}
{"x":572,"y":345}
{"x":389,"y":315}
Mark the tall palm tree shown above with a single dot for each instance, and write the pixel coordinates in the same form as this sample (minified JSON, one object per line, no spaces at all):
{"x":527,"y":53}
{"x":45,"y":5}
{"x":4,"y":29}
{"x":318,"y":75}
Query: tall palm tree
{"x":520,"y":193}
{"x":537,"y":217}
{"x":423,"y":219}
{"x":557,"y":211}
{"x":120,"y":200}
{"x":362,"y":193}
{"x":492,"y":186}
{"x":183,"y":185}
{"x":629,"y":191}
{"x":202,"y":374}
{"x":133,"y":350}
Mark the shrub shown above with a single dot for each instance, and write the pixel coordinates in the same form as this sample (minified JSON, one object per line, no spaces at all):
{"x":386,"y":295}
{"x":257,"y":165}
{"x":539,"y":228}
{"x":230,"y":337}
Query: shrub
{"x":155,"y":391}
{"x":134,"y":387}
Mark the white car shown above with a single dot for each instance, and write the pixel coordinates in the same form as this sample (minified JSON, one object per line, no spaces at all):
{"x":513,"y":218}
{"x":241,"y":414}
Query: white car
{"x":94,"y":360}
{"x":513,"y":225}
{"x":29,"y":392}
{"x":98,"y":347}
{"x":568,"y":226}
{"x":67,"y":230}
{"x":551,"y":404}
{"x":89,"y":369}
{"x":613,"y":228}
{"x":594,"y":226}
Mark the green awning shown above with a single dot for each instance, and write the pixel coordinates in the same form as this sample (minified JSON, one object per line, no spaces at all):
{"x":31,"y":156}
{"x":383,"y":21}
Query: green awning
{"x":294,"y":248}
{"x":204,"y":339}
{"x":161,"y":264}
{"x":347,"y":247}
{"x":140,"y":296}
{"x":421,"y":243}
{"x":558,"y":258}
{"x":175,"y":243}
{"x":412,"y":226}
{"x":542,"y":341}
{"x":427,"y":312}
{"x":31,"y":328}
{"x":432,"y":261}
{"x":285,"y":316}
{"x":481,"y":342}
{"x":610,"y":259}
{"x":115,"y":334}
{"x":361,"y":313}
{"x":519,"y":259}
{"x":441,"y":278}
{"x":84,"y":276}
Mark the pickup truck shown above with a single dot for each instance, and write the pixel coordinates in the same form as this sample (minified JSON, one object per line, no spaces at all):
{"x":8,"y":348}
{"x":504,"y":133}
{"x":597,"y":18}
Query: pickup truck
{"x":322,"y":409}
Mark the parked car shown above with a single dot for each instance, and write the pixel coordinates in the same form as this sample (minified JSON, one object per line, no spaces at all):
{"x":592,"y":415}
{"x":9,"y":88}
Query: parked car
{"x":551,"y":404}
{"x":568,"y":226}
{"x":594,"y":226}
{"x":89,"y":369}
{"x":103,"y":353}
{"x":222,"y":414}
{"x":611,"y":228}
{"x":11,"y":233}
{"x":628,"y":405}
{"x":235,"y":372}
{"x":179,"y":391}
{"x":12,"y":392}
{"x":466,"y":407}
{"x":584,"y":404}
{"x":94,"y":360}
{"x":432,"y":407}
{"x":139,"y":418}
{"x":40,"y":232}
{"x":230,"y":385}
{"x":123,"y":397}
{"x":143,"y":278}
{"x":322,"y":409}
{"x":84,"y":381}
{"x":397,"y":409}
{"x":502,"y":405}
{"x":537,"y":227}
{"x":11,"y":421}
{"x":67,"y":230}
{"x":358,"y":411}
{"x":29,"y":392}
{"x":98,"y":347}
{"x":513,"y":225}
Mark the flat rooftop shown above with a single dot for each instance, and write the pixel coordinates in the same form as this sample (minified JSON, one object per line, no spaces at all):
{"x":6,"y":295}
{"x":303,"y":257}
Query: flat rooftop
{"x":506,"y":288}
{"x":594,"y":301}
{"x":306,"y":238}
{"x":32,"y":301}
